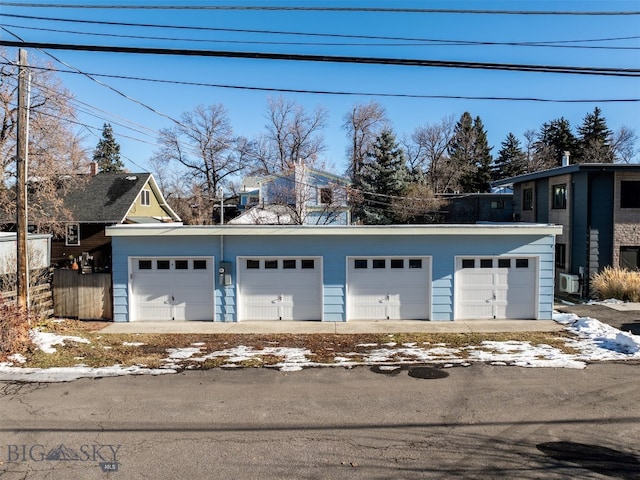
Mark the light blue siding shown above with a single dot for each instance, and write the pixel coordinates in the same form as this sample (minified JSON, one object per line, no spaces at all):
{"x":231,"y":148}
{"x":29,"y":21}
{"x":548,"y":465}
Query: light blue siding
{"x":334,"y":250}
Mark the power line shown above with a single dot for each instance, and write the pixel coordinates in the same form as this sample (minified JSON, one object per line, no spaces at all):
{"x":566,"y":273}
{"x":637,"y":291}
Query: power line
{"x":344,"y":93}
{"x":320,"y":9}
{"x":113,"y":89}
{"x":426,"y":41}
{"x":602,"y":71}
{"x":415,"y":43}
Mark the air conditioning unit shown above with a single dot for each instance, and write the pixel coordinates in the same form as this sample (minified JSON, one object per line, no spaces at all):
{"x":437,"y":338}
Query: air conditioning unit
{"x":569,"y":283}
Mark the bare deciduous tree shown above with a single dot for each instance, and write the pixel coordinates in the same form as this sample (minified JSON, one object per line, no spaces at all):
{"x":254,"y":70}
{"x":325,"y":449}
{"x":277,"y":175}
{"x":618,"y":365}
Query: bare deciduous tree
{"x":293,"y":135}
{"x":418,"y":205}
{"x":427,"y":155}
{"x":539,"y":156}
{"x":363,"y":124}
{"x":205,"y":149}
{"x":55,"y":148}
{"x":623,"y":145}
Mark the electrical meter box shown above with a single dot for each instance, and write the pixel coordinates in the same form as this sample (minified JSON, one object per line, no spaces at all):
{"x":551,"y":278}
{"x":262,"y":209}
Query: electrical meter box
{"x":224,"y":274}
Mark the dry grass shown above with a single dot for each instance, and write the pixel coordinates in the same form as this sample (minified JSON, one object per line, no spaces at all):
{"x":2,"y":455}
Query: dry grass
{"x":112,"y":349}
{"x":14,"y":329}
{"x":617,"y":283}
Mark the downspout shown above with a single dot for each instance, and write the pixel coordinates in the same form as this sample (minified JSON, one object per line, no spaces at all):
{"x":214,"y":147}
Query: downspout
{"x":223,"y":303}
{"x":221,"y":247}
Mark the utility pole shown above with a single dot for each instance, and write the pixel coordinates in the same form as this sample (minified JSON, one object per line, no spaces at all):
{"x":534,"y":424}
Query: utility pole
{"x":22,"y":266}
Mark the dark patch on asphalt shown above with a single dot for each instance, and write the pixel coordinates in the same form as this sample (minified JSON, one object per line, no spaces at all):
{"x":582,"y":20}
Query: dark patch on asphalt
{"x":602,"y":460}
{"x":427,"y":373}
{"x":419,"y":371}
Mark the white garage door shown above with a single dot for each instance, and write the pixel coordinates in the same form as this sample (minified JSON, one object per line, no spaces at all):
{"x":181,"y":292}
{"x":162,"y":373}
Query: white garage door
{"x":284,"y":288}
{"x":496,"y":287}
{"x":172,"y":288}
{"x":391,"y":288}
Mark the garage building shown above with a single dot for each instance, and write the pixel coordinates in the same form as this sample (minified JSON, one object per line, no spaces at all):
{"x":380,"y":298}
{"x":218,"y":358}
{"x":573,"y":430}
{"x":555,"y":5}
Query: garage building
{"x":333,"y":273}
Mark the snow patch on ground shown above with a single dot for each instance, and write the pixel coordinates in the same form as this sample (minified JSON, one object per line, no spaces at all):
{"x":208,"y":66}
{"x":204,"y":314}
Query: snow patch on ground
{"x":45,"y":341}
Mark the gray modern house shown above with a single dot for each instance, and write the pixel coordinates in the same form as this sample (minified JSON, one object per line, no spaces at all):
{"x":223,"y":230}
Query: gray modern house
{"x":598,"y":206}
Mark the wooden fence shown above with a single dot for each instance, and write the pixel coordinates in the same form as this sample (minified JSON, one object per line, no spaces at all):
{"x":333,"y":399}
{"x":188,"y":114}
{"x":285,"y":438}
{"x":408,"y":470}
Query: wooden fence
{"x":86,"y":297}
{"x":40,"y":299}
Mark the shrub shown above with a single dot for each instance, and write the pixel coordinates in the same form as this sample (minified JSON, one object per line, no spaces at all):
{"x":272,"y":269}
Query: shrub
{"x":617,"y":283}
{"x":14,"y":329}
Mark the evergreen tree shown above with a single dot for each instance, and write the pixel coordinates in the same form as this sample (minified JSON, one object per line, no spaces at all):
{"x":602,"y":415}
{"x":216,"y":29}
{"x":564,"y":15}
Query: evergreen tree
{"x":107,"y":152}
{"x":554,"y":139}
{"x":482,"y":160}
{"x":470,"y":153}
{"x":383,"y":177}
{"x":594,"y":138}
{"x":461,"y":149}
{"x":511,"y":160}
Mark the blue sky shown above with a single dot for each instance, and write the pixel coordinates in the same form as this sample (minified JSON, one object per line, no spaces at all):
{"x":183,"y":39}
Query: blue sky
{"x":247,"y":108}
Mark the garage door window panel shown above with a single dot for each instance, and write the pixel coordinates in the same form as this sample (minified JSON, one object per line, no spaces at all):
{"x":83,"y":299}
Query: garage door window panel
{"x":145,"y":265}
{"x":415,"y":263}
{"x":504,"y":263}
{"x":289,"y":264}
{"x":163,"y":264}
{"x":271,"y":264}
{"x":360,"y":263}
{"x":397,"y":263}
{"x":379,"y":263}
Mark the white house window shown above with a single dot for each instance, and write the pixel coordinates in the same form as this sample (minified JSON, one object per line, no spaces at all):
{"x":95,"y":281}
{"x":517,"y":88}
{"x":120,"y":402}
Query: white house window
{"x":145,"y":198}
{"x":72,"y":236}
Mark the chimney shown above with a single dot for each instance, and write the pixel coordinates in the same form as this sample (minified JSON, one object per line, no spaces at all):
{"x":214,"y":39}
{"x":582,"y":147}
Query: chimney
{"x":93,"y":169}
{"x":565,"y":158}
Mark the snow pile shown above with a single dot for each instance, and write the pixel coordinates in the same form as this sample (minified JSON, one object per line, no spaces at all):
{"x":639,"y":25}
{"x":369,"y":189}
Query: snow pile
{"x":602,"y":341}
{"x":523,"y":354}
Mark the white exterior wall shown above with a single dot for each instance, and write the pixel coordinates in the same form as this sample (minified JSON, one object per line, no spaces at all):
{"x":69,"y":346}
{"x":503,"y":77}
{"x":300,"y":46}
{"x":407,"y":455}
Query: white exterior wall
{"x":38,"y":252}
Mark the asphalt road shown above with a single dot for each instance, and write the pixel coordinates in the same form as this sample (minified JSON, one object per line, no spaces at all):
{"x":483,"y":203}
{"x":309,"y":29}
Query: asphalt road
{"x":475,"y":422}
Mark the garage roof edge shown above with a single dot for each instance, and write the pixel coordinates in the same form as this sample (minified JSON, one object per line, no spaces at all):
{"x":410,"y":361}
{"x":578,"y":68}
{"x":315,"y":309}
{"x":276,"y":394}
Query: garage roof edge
{"x":280,"y":230}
